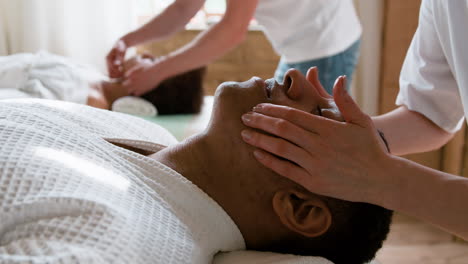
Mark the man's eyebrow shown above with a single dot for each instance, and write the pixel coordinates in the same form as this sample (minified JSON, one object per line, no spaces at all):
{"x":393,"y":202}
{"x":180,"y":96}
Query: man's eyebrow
{"x":384,"y":140}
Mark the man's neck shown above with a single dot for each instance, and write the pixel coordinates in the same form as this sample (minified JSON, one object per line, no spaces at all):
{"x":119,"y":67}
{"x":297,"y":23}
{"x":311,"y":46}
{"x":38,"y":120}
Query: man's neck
{"x":219,"y":167}
{"x":190,"y":159}
{"x":213,"y":169}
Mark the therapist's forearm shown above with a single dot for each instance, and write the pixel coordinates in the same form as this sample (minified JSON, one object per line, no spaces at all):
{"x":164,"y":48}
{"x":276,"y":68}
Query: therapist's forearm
{"x":434,"y":196}
{"x":205,"y":48}
{"x":410,"y":132}
{"x":172,"y":20}
{"x":212,"y":43}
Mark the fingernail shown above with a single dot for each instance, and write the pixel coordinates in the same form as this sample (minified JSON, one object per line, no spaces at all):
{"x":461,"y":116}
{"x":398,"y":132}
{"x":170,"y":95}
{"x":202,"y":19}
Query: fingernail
{"x":246,"y":135}
{"x":258,"y":107}
{"x":337,"y":81}
{"x":259,"y":154}
{"x":343,"y":83}
{"x":246,"y":118}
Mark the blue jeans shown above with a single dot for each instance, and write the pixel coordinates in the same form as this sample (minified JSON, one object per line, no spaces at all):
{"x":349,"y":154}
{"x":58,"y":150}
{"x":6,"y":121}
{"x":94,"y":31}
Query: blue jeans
{"x":330,"y":68}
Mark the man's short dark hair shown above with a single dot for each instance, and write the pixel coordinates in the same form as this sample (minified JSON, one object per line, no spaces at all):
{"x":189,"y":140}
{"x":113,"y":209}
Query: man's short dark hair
{"x":181,"y":94}
{"x":356,"y":234}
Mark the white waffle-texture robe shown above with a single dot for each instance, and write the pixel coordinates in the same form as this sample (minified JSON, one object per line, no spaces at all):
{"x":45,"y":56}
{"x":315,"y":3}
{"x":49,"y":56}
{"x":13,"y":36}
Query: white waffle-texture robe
{"x":67,"y":195}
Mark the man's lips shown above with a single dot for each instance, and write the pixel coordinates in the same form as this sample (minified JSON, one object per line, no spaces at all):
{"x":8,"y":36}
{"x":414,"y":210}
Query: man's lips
{"x":268,"y":86}
{"x":263,"y":85}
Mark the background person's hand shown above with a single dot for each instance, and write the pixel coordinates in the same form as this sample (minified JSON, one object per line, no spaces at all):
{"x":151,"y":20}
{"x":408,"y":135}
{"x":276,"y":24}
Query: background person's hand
{"x":137,"y":61}
{"x":115,"y":59}
{"x":328,"y":157}
{"x":141,"y":79}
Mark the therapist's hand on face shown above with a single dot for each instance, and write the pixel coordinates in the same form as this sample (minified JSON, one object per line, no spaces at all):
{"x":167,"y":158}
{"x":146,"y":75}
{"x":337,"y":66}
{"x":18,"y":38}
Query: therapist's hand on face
{"x":115,"y":59}
{"x":336,"y":159}
{"x":142,"y":78}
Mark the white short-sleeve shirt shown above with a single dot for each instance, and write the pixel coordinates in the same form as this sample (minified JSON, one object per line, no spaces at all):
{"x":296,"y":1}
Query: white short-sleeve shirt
{"x":434,"y":78}
{"x":303,"y":30}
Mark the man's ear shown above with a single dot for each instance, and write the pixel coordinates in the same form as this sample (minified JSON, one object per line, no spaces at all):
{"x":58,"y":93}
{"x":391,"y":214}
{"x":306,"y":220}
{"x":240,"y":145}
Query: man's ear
{"x":302,"y":212}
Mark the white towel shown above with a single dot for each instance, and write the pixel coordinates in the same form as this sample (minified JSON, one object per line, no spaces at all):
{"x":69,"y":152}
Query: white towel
{"x":255,"y":257}
{"x":47,"y":76}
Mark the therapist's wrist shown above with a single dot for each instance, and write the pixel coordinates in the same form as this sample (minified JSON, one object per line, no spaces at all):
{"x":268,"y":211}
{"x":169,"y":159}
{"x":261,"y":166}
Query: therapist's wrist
{"x":166,"y":67}
{"x":129,"y":40}
{"x":381,"y":181}
{"x":159,"y":68}
{"x":390,"y":182}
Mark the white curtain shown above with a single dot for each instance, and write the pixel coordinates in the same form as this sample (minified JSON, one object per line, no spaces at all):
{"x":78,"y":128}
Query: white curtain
{"x":83,"y":30}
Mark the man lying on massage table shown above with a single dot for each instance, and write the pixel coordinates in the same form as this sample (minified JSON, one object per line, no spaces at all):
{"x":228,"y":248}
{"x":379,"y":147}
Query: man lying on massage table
{"x":82,"y":185}
{"x":48,"y":76}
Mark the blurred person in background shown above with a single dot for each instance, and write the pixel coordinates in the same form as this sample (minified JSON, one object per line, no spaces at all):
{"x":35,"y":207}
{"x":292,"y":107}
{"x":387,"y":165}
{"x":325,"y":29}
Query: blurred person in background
{"x":322,"y":33}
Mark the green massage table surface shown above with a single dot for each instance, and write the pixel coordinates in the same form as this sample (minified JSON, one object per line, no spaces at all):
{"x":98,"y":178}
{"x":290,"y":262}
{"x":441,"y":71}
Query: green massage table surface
{"x":186,"y":125}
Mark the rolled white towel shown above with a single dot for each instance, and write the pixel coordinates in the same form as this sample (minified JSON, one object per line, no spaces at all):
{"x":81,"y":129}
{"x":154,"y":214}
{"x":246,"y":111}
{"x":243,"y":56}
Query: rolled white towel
{"x":256,"y":257}
{"x":134,"y":106}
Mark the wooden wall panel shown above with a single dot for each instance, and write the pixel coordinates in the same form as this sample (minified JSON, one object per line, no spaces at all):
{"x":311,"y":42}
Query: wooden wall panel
{"x":400,"y":23}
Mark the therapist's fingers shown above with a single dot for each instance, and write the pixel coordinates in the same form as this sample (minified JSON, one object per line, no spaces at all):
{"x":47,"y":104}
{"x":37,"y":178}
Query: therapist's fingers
{"x":131,"y":87}
{"x":115,"y":59}
{"x":281,"y":128}
{"x":134,"y":72}
{"x":312,"y":77}
{"x":310,"y":122}
{"x":140,"y":81}
{"x":113,"y":68}
{"x":285,"y":168}
{"x":131,"y":81}
{"x":276,"y":146}
{"x":348,"y":107}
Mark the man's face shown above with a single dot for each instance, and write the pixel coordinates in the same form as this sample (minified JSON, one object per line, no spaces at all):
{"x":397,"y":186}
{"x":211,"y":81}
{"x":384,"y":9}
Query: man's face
{"x":234,"y":99}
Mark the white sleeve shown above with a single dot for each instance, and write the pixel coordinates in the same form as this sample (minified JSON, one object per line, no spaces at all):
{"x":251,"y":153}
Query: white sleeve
{"x":427,"y":84}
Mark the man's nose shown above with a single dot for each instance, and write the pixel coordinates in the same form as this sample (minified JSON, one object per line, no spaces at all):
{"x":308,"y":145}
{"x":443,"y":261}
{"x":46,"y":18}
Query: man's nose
{"x":293,"y":85}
